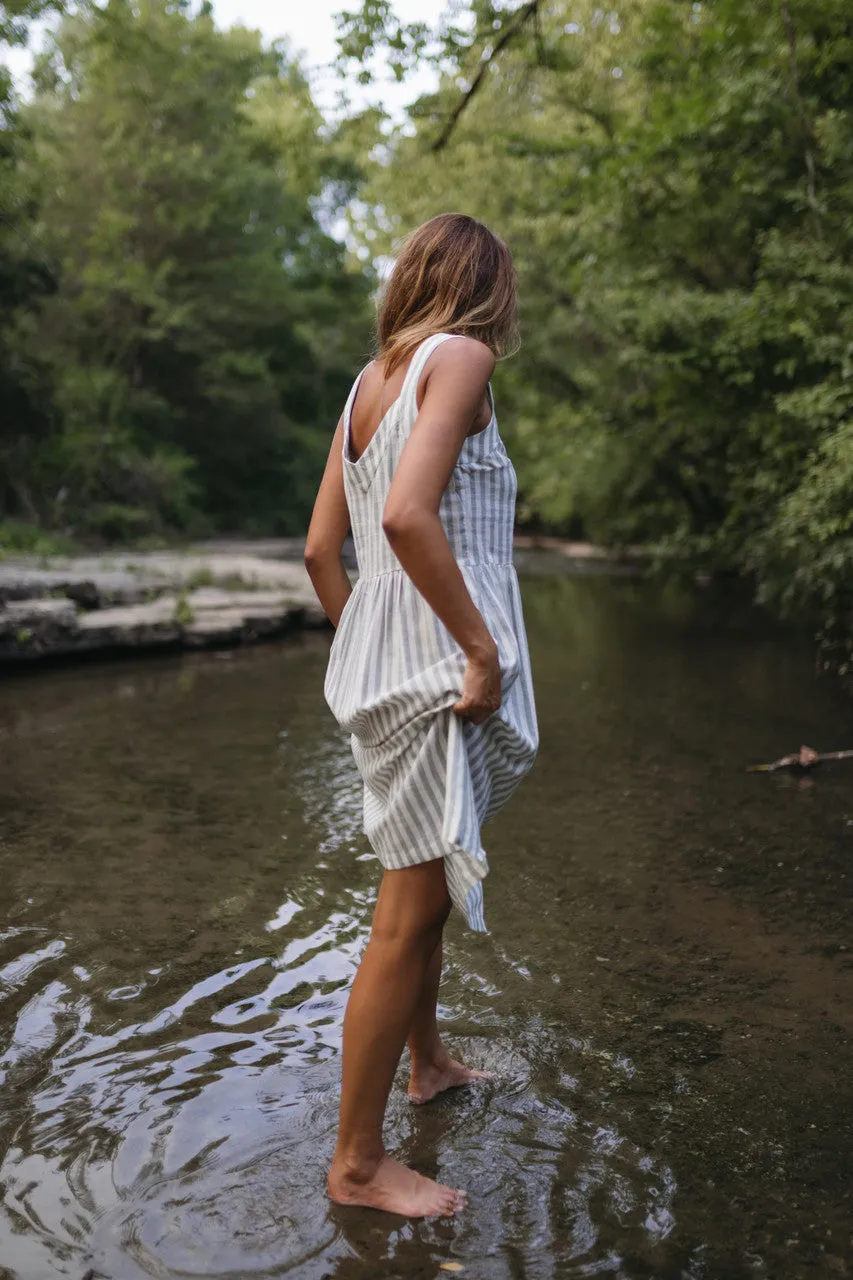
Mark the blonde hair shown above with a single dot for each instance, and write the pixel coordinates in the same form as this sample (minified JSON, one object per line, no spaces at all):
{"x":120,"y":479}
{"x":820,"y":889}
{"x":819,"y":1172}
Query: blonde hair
{"x":453,"y":275}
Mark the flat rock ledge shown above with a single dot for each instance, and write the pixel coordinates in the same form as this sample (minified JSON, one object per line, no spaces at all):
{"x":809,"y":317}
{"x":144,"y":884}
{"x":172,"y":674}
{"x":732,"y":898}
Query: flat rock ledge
{"x":222,"y":593}
{"x":157,"y":600}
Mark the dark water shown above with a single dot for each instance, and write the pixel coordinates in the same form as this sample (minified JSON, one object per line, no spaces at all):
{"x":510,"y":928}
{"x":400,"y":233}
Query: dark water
{"x":665,"y":997}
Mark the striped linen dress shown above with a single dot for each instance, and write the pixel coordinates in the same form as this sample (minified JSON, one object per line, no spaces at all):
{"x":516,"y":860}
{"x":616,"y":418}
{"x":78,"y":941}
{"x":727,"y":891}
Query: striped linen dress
{"x":431,"y":778}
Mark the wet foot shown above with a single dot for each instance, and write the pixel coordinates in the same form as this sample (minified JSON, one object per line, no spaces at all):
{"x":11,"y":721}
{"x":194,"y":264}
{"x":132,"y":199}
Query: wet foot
{"x":396,"y":1189}
{"x":428,"y":1079}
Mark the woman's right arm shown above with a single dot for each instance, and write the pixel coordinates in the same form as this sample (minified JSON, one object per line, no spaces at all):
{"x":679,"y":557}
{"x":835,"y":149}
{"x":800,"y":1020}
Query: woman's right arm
{"x":327,"y":534}
{"x":453,"y":393}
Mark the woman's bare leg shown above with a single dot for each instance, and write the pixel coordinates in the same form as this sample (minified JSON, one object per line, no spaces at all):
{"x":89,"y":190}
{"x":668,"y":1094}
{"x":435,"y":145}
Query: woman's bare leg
{"x":432,"y":1068}
{"x":424,"y":1040}
{"x":411,"y":909}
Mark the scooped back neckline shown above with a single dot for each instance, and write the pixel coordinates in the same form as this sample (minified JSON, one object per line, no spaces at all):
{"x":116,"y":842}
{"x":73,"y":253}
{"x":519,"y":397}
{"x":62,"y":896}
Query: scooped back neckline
{"x":417,"y":358}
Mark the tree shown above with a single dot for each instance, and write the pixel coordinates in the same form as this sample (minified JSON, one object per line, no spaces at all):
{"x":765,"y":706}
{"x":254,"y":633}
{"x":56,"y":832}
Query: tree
{"x":676,"y":182}
{"x":204,"y":323}
{"x":25,"y":277}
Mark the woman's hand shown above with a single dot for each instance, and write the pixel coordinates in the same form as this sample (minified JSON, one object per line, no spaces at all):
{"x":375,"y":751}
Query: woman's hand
{"x":481,"y":688}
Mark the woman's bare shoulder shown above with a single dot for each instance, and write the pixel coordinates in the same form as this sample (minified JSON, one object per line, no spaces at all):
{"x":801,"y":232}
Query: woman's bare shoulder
{"x":464,"y":354}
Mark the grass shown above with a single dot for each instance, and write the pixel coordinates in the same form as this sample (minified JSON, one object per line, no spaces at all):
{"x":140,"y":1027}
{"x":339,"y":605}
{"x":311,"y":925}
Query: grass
{"x":17,"y":538}
{"x":183,"y":614}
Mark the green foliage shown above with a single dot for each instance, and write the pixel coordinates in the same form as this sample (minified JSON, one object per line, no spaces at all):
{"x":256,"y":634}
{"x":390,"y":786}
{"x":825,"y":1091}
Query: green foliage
{"x":183,"y":615}
{"x":25,"y":277}
{"x":179,"y":327}
{"x":676,"y":182}
{"x":186,"y":365}
{"x":19,"y":538}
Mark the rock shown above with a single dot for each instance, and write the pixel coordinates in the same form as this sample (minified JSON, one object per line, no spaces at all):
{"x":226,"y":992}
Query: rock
{"x":313,"y":616}
{"x":206,"y":598}
{"x":30,"y":613}
{"x":32,"y":628}
{"x":206,"y":616}
{"x":143,"y":600}
{"x":132,"y":577}
{"x":134,"y":626}
{"x":225,"y":626}
{"x":231,"y":626}
{"x":91,"y":587}
{"x":193,"y":570}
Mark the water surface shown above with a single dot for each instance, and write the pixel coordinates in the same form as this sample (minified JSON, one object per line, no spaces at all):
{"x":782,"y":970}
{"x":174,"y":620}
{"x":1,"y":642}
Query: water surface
{"x":664,"y":997}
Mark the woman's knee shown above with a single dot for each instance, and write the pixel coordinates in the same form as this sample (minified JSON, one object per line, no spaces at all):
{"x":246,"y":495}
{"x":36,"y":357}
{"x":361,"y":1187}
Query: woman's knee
{"x":408,"y":934}
{"x":413,"y":905}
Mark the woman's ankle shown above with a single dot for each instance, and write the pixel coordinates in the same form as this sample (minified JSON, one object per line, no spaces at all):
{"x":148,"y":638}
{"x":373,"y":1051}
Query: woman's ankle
{"x":428,"y":1054}
{"x":356,"y":1163}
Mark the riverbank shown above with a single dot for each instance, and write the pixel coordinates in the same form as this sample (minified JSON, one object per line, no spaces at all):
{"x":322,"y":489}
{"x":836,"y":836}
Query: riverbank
{"x":222,"y":593}
{"x":61,"y":606}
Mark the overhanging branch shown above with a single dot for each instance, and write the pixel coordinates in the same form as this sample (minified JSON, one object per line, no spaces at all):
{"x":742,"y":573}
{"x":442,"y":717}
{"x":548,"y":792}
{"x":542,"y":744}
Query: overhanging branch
{"x":517,"y":23}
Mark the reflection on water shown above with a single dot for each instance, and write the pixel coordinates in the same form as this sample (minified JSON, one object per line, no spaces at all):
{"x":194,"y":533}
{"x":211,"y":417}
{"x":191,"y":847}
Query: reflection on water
{"x":664,"y":998}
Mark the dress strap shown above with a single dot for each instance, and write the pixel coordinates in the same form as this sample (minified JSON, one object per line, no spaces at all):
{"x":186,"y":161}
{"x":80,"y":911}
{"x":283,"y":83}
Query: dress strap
{"x":347,"y":414}
{"x":409,"y":389}
{"x":407,"y":400}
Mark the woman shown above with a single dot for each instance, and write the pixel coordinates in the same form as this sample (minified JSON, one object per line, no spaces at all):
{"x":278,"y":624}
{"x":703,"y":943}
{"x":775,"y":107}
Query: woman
{"x":429,"y":670}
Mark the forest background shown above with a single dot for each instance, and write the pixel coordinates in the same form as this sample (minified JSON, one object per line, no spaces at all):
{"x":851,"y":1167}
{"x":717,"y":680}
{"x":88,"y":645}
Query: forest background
{"x":190,"y":249}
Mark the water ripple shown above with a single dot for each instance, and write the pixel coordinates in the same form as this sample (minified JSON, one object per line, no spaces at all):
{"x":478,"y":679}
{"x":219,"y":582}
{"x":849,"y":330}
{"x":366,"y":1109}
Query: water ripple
{"x":189,"y":897}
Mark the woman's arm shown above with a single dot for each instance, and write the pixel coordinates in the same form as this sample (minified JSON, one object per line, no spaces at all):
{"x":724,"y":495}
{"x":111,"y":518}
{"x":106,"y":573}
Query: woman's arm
{"x":326,"y":535}
{"x":453,"y":393}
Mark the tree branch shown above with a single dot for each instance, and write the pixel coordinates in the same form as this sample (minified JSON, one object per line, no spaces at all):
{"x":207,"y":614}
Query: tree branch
{"x":519,"y":20}
{"x":805,"y":124}
{"x":805,"y":758}
{"x":584,"y":109}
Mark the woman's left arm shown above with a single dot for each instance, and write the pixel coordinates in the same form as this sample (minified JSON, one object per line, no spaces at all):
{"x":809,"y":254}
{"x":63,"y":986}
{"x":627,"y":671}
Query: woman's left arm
{"x":326,"y":535}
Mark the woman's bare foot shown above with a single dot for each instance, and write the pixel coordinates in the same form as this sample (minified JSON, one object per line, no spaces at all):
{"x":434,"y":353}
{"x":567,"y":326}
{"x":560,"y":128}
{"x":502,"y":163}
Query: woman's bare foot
{"x":429,"y":1078}
{"x":389,"y":1185}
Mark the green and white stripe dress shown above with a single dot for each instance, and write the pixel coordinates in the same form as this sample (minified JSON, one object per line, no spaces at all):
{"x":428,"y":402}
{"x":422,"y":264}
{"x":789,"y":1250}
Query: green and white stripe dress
{"x":431,"y":778}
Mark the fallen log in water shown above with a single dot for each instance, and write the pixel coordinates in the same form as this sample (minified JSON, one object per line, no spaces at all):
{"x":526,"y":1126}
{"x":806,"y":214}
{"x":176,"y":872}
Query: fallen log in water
{"x":805,"y":758}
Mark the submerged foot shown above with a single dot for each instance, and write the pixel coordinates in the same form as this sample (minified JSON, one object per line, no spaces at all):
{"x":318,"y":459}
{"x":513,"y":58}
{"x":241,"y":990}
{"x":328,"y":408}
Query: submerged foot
{"x":429,"y":1078}
{"x":396,"y":1189}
